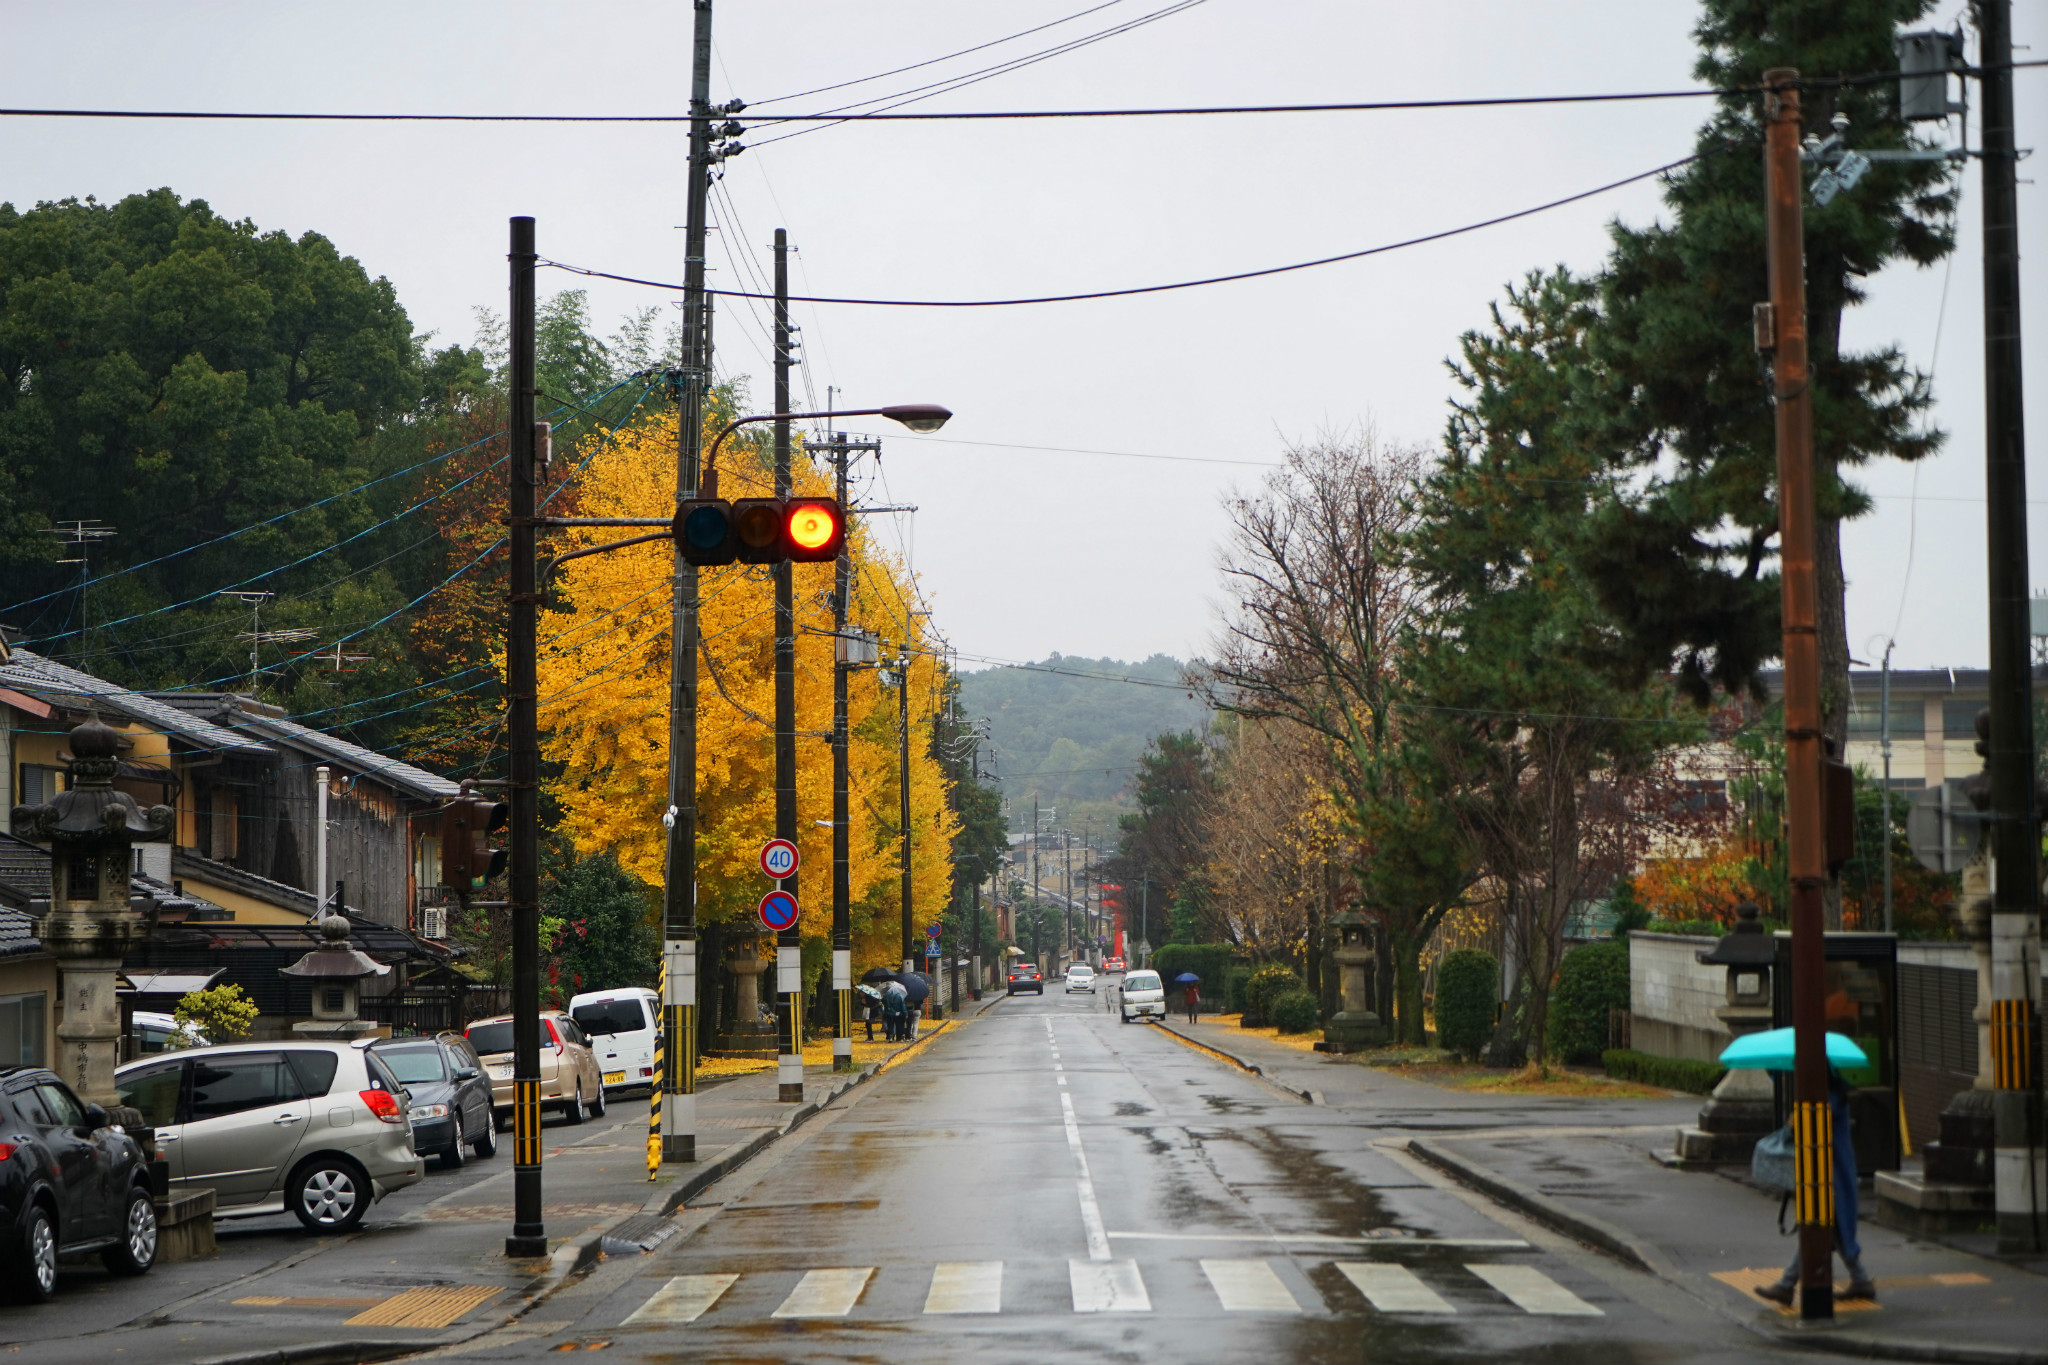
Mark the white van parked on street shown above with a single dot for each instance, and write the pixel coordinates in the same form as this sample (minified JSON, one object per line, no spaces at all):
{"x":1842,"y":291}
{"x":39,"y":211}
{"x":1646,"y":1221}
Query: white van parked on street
{"x":1143,"y":997}
{"x":621,"y":1026}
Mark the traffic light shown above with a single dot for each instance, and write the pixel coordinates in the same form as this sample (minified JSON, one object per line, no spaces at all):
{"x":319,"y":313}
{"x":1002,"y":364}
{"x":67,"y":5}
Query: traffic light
{"x":713,"y":531}
{"x":468,"y":857}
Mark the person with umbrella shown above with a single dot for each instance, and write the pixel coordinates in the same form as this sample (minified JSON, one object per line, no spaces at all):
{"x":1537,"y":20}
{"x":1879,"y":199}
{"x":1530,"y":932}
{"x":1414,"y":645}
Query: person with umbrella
{"x":895,"y":1002}
{"x":1772,"y":1050}
{"x":916,"y":989}
{"x":1193,"y":994}
{"x":870,"y":1007}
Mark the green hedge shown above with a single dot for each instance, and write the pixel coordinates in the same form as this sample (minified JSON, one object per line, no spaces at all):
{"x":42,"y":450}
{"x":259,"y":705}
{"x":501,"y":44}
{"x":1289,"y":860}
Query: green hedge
{"x":1467,"y":1000}
{"x":1234,"y":982}
{"x":1294,"y":1011}
{"x":1592,"y":979}
{"x":1673,"y":1073}
{"x":1209,"y":961}
{"x":1267,"y":982}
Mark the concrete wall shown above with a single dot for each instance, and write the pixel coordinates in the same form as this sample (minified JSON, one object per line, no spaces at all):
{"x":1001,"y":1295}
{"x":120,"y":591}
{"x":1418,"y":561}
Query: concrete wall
{"x":1673,"y":996}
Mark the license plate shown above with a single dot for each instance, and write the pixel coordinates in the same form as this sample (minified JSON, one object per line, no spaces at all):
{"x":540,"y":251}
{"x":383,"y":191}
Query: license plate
{"x":614,"y":1078}
{"x":503,"y":1073}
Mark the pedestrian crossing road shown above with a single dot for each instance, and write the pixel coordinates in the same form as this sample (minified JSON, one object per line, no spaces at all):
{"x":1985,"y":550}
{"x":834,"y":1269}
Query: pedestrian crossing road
{"x":1253,"y":1285}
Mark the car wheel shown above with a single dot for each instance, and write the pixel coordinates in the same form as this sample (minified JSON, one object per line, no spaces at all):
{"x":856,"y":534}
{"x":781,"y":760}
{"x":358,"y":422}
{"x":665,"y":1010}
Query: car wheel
{"x":329,"y":1194}
{"x":451,"y":1156}
{"x":597,"y":1105}
{"x":575,"y":1109}
{"x":135,"y":1253}
{"x":1125,"y":1017}
{"x":486,"y":1146}
{"x":34,"y":1277}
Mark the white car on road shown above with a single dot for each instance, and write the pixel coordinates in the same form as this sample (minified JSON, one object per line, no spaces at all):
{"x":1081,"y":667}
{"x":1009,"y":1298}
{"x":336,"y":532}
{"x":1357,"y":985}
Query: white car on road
{"x":1081,"y":977}
{"x":1143,"y":997}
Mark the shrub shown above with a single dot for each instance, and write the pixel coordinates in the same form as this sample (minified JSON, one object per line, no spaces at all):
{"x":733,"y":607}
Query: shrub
{"x":1294,"y":1011}
{"x":223,"y":1013}
{"x":1234,"y":982}
{"x":1467,"y":999}
{"x":1673,"y":1073}
{"x":1265,"y":983}
{"x":1209,"y":961}
{"x":1592,"y":979}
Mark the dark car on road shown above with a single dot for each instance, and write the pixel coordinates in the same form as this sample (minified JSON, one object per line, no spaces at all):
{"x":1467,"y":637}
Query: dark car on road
{"x":1025,"y":976}
{"x":69,"y":1184}
{"x":450,"y":1104}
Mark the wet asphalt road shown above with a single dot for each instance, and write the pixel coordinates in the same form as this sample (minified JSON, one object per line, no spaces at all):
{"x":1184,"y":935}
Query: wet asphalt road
{"x":1046,"y":1184}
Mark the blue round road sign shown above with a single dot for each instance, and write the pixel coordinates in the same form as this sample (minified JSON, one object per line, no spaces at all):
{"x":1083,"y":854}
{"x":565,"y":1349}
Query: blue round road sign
{"x":778,"y":910}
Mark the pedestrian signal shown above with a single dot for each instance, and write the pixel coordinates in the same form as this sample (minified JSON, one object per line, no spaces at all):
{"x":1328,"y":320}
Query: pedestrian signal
{"x":712,"y":531}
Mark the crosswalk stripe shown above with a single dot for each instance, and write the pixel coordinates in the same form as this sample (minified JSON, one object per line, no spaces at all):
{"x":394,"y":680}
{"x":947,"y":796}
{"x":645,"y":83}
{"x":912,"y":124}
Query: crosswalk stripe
{"x":683,"y":1299}
{"x":1249,"y":1287}
{"x":1532,"y":1291}
{"x":966,"y":1287}
{"x":1393,"y":1288}
{"x":825,"y":1293}
{"x":1108,"y":1287}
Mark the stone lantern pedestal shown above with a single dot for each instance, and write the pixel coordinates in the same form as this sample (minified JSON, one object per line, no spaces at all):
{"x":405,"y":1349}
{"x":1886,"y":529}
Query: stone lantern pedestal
{"x":746,"y":1035}
{"x":93,"y":922}
{"x":1357,"y":1025}
{"x":334,"y":970}
{"x":1740,"y":1111}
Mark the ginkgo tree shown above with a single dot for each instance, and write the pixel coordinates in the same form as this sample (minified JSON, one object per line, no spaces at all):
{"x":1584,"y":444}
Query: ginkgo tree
{"x":604,"y":707}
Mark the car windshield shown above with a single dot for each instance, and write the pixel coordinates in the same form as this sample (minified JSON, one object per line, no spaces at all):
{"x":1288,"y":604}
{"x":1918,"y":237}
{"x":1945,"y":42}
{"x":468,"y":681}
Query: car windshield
{"x":490,"y":1038}
{"x":610,"y":1016}
{"x":414,"y":1065}
{"x":1080,"y":971}
{"x":1142,"y":981}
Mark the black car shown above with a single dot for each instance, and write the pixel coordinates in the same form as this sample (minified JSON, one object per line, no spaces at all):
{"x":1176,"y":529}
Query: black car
{"x":451,"y":1096}
{"x":1025,"y":976}
{"x":68,"y":1184}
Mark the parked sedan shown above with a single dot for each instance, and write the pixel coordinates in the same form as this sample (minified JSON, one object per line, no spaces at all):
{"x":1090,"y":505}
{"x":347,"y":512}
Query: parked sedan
{"x":569,"y":1076}
{"x":1025,"y":976}
{"x":450,"y":1104}
{"x":69,"y":1184}
{"x":318,"y":1129}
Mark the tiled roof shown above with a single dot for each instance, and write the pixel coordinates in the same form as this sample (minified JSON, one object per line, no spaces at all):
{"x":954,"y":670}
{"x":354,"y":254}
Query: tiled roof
{"x":34,"y":674}
{"x":25,"y":877}
{"x":17,"y":934}
{"x":228,"y":710}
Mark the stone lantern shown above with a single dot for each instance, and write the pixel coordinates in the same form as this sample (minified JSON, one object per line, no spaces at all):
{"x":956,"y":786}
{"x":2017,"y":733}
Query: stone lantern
{"x":1740,"y":1110}
{"x":333,"y":970}
{"x":746,"y":1034}
{"x":93,"y":922}
{"x":1356,"y":1025}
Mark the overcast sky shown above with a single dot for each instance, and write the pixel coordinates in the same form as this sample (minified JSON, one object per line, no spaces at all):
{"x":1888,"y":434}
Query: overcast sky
{"x":1023,"y":550}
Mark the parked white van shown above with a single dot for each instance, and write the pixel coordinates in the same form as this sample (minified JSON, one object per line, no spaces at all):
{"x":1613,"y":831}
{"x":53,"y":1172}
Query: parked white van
{"x":621,"y":1026}
{"x":1143,"y":997}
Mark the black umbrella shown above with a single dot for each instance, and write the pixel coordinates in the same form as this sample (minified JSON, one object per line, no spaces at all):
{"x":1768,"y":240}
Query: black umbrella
{"x":1186,"y":979}
{"x":914,"y":986}
{"x":875,"y":976}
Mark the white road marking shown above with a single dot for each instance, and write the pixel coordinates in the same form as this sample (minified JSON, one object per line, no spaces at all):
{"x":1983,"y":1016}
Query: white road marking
{"x":1506,"y":1243}
{"x":1091,"y":1212}
{"x":1532,"y":1291}
{"x":825,"y":1293}
{"x":1108,"y":1287}
{"x":966,"y":1287}
{"x":1393,"y":1288}
{"x":683,"y":1299}
{"x":1249,"y":1287}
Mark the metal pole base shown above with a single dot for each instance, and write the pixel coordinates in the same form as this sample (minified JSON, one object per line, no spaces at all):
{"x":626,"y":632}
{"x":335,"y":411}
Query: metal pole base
{"x":678,"y":1147}
{"x":525,"y":1248}
{"x":1817,"y":1302}
{"x":789,"y":1094}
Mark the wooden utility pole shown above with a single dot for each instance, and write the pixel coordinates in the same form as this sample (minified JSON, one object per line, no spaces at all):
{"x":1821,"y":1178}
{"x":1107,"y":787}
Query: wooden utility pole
{"x":789,"y":943}
{"x":1781,"y":329}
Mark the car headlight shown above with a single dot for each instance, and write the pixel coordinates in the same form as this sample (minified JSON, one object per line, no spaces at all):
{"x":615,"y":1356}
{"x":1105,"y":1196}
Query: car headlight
{"x":427,"y":1111}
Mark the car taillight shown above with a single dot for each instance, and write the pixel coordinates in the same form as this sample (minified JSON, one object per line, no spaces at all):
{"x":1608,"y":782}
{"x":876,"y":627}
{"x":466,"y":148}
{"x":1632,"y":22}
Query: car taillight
{"x":384,"y":1105}
{"x":554,"y":1038}
{"x":6,"y":1150}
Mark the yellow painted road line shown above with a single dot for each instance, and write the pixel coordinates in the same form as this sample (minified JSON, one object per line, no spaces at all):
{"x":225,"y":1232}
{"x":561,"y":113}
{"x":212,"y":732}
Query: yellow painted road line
{"x":438,"y":1307}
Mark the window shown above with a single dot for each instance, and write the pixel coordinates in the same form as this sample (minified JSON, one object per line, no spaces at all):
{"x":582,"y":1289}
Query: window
{"x":1866,"y":718}
{"x":566,"y":1031}
{"x":1959,"y":717}
{"x":30,"y":1105}
{"x":315,"y":1070}
{"x":489,"y":1039}
{"x":414,"y":1065}
{"x":611,"y":1016}
{"x":39,"y":783}
{"x":154,"y":1090}
{"x":240,"y":1081}
{"x":62,"y":1104}
{"x":21,"y":1029}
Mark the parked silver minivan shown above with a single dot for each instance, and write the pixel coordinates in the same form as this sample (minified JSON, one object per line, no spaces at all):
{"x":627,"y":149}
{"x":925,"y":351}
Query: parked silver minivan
{"x":320,"y":1129}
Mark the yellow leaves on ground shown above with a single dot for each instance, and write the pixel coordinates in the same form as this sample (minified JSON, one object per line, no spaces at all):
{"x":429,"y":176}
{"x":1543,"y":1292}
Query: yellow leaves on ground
{"x":604,"y":706}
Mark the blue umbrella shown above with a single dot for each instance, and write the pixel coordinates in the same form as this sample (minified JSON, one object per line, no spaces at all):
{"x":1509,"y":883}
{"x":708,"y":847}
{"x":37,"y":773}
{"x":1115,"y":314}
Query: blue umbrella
{"x":1186,"y":979}
{"x":1772,"y":1050}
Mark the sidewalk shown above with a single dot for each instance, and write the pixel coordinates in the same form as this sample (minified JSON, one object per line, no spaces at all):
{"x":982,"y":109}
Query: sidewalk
{"x":1588,"y":1168}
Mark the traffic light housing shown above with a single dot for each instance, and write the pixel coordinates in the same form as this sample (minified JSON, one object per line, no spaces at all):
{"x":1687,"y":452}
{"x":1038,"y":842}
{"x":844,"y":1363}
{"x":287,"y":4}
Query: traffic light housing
{"x":468,"y":857}
{"x":712,"y":531}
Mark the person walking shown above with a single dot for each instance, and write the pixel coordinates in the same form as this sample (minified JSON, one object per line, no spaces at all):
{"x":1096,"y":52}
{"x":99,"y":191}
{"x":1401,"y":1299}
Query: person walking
{"x":1193,"y":997}
{"x":894,"y":1002}
{"x":1861,"y":1286}
{"x":869,"y":1008}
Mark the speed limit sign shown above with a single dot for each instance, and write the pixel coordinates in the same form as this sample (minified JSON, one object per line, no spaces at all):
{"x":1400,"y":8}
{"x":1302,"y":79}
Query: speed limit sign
{"x":779,"y":858}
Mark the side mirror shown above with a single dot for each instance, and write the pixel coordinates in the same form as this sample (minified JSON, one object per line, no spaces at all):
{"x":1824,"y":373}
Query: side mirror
{"x":95,"y":1117}
{"x":466,"y":1073}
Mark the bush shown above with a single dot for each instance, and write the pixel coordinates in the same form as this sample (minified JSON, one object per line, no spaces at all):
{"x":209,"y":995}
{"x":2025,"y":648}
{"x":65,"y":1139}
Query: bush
{"x":1592,"y":979}
{"x":1265,"y":983}
{"x":1209,"y":961}
{"x":1467,"y":999}
{"x":1294,"y":1011}
{"x":1673,"y":1073}
{"x":1234,"y":982}
{"x":225,"y":1014}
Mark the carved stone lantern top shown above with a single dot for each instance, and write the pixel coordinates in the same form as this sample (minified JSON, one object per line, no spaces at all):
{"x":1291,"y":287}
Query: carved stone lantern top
{"x":335,"y":959}
{"x":1746,"y":945}
{"x":92,"y":811}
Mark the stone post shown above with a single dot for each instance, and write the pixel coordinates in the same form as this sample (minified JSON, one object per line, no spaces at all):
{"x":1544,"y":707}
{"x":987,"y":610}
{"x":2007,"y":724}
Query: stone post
{"x":1357,"y":1025}
{"x":93,"y":921}
{"x":1740,"y":1109}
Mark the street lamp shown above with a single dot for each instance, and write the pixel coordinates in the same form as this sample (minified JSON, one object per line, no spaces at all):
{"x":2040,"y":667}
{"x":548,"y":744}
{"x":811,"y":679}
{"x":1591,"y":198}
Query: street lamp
{"x":916,"y":416}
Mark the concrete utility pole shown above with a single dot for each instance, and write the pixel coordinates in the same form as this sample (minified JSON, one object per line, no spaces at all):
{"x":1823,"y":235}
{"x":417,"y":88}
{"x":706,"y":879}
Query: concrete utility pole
{"x":2019,"y":1172}
{"x":679,"y":891}
{"x":789,"y":952}
{"x":1781,"y":329}
{"x":903,"y":784}
{"x":842,"y":650}
{"x":522,"y":723}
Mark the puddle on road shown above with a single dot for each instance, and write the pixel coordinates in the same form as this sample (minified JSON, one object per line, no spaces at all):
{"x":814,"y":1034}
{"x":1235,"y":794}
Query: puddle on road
{"x":1127,"y":1109}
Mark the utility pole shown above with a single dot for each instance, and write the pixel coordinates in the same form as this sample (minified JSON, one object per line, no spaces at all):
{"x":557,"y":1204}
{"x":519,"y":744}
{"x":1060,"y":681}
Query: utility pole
{"x":1884,"y":700}
{"x":1782,"y":326}
{"x":842,"y":847}
{"x":1037,"y":910}
{"x":2019,"y":1170}
{"x":903,"y":782}
{"x":789,"y":953}
{"x":522,"y":722}
{"x":679,"y":891}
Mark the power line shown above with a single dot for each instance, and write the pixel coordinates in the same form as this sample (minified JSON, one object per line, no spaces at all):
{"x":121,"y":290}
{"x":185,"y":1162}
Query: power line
{"x":1179,"y":284}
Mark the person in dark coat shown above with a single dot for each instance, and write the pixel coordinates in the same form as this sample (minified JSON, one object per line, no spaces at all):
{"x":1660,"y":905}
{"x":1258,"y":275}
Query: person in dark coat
{"x":1193,"y":997}
{"x":895,"y":1000}
{"x":1861,"y":1286}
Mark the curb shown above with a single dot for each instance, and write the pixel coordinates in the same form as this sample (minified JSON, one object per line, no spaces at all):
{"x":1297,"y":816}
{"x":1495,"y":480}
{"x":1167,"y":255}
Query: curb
{"x":1875,"y":1348}
{"x":1581,"y":1227}
{"x":1305,"y":1096}
{"x":322,"y":1353}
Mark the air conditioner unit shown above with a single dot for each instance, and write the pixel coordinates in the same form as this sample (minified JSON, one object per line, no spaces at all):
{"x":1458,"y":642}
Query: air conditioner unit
{"x":434,"y":921}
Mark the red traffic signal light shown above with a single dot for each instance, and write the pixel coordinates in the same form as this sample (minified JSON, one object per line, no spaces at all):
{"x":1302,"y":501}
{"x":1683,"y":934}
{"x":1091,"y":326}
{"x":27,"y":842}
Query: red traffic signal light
{"x":712,"y":531}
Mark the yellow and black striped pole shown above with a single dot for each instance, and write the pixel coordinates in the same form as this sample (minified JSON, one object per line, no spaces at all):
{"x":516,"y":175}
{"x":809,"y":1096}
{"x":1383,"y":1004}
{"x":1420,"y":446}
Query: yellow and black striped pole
{"x":654,"y":1091}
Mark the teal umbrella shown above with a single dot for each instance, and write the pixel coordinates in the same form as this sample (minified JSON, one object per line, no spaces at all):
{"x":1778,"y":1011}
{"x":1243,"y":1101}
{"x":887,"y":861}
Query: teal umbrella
{"x":1771,"y":1050}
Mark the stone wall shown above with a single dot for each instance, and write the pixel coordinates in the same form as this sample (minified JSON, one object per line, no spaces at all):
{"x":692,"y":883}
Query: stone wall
{"x":1673,"y":996}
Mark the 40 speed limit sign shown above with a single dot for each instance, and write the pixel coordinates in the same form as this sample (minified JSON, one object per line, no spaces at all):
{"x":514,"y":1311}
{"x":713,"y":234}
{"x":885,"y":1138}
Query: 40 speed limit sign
{"x":779,"y":858}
